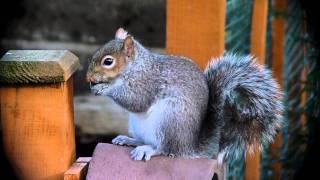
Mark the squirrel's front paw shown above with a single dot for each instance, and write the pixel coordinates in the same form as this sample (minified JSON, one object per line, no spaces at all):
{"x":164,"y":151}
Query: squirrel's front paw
{"x":144,"y":152}
{"x":100,"y":89}
{"x":120,"y":140}
{"x":125,"y":140}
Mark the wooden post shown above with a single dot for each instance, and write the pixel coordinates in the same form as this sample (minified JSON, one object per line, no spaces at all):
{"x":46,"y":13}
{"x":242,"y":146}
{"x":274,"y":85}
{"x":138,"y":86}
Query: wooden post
{"x":37,"y":111}
{"x":278,"y":34}
{"x":196,"y":29}
{"x":258,"y":48}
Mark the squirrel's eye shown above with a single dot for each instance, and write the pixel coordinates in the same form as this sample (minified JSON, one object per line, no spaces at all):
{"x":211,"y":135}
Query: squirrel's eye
{"x":107,"y":61}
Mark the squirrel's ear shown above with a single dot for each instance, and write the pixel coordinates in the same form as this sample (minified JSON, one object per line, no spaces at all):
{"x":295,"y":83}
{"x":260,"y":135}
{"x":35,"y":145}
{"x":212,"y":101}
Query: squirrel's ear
{"x":128,"y":46}
{"x":121,"y":34}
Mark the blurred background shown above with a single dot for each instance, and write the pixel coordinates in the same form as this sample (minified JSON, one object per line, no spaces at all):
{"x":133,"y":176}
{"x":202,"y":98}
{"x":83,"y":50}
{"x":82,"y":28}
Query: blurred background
{"x":83,"y":26}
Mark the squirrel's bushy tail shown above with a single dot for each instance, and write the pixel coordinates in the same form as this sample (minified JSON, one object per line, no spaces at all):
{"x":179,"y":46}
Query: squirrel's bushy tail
{"x":245,"y":104}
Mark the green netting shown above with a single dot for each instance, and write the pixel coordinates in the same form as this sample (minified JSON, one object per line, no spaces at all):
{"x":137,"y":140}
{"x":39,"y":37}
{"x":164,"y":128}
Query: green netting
{"x":238,"y":25}
{"x":268,"y":60}
{"x":299,"y":54}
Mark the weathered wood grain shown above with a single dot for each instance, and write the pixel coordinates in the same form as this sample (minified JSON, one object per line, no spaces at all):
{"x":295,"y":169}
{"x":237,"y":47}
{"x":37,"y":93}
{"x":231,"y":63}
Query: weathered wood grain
{"x":37,"y":66}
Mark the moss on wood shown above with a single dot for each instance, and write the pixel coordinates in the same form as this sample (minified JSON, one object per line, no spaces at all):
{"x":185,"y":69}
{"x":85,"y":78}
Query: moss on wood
{"x":37,"y":66}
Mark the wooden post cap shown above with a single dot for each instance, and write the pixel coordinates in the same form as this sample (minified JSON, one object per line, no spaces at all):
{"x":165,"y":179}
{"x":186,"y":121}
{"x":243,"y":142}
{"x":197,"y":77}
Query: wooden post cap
{"x":37,"y":66}
{"x":114,"y":162}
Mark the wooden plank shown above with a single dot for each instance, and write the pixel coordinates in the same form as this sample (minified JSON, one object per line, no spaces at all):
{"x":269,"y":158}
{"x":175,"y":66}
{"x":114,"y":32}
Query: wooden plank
{"x":38,"y":129}
{"x":78,"y":170}
{"x":278,"y":35}
{"x":258,"y":46}
{"x":196,"y":29}
{"x":113,"y":162}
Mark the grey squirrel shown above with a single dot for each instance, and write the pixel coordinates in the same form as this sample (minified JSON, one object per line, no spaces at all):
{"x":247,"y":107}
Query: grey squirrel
{"x":176,"y":109}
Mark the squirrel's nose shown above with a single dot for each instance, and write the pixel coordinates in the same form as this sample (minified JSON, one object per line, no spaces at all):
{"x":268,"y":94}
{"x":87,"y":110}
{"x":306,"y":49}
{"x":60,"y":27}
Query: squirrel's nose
{"x":90,"y":78}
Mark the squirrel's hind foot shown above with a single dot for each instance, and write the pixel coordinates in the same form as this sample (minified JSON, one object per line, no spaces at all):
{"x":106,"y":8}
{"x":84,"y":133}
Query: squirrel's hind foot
{"x":144,"y":152}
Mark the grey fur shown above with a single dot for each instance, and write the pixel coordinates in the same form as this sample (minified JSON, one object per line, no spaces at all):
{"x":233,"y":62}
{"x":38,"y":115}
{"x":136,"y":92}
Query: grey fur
{"x":244,"y":101}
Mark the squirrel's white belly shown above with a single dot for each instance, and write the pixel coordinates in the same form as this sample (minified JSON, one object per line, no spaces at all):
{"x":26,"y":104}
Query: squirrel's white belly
{"x":144,"y":126}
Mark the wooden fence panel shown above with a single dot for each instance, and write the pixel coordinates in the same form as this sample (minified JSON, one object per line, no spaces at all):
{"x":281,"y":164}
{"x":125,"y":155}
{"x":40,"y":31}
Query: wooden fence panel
{"x":196,"y":29}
